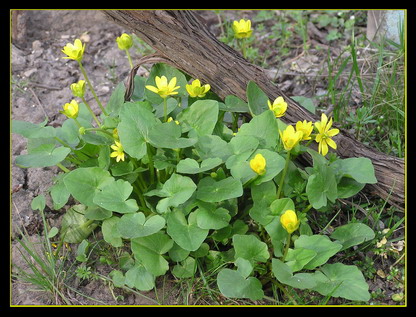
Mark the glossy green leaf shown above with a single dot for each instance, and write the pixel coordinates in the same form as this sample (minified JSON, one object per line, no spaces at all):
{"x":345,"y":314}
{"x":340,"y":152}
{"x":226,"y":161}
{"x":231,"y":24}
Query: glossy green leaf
{"x":168,"y":135}
{"x":84,"y":183}
{"x":233,"y":284}
{"x":185,"y":269}
{"x":149,"y":251}
{"x":340,"y":280}
{"x":190,"y":166}
{"x":284,"y":274}
{"x":110,"y":231}
{"x":139,"y":278}
{"x":257,"y":99}
{"x":176,"y":190}
{"x":114,"y":196}
{"x":249,"y":247}
{"x":43,"y":156}
{"x":185,"y":232}
{"x":321,"y":244}
{"x":210,"y":190}
{"x":352,"y":234}
{"x":215,"y":218}
{"x":136,"y":225}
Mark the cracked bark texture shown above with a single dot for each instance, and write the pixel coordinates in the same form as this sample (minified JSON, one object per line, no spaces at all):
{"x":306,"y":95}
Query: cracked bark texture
{"x":182,"y":40}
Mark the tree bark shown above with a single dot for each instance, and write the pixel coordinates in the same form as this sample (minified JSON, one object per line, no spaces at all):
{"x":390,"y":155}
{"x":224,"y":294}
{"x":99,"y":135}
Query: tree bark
{"x":182,"y":40}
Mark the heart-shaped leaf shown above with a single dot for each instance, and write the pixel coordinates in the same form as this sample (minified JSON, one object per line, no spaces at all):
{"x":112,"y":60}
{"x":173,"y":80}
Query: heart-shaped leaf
{"x":210,"y":190}
{"x":135,"y":225}
{"x":233,"y":284}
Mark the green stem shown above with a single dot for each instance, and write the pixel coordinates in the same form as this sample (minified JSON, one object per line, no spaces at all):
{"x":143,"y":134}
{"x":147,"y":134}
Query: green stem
{"x":307,"y":208}
{"x":91,"y":88}
{"x":289,"y":235}
{"x":100,"y":130}
{"x":77,"y":122}
{"x":129,"y":58}
{"x":92,"y":113}
{"x":63,"y":168}
{"x":281,"y":287}
{"x":279,"y":191}
{"x":151,"y":166}
{"x":63,"y":142}
{"x":165,"y":110}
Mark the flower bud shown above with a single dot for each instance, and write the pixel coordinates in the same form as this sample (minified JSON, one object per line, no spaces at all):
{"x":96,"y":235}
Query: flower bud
{"x":78,"y":89}
{"x":71,"y":109}
{"x":258,"y":164}
{"x":81,"y":130}
{"x":289,"y":221}
{"x":124,"y":41}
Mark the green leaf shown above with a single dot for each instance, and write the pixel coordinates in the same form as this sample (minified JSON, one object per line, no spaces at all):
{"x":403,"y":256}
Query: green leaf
{"x":233,"y":284}
{"x":38,"y":203}
{"x":110,"y":232}
{"x":201,"y":117}
{"x":190,"y":166}
{"x":168,"y":135}
{"x":185,"y":269}
{"x":32,"y":131}
{"x":178,"y":254}
{"x":117,"y":277}
{"x":279,"y":206}
{"x":84,"y":183}
{"x":75,"y":227}
{"x":97,"y":213}
{"x":185,"y":233}
{"x":212,"y":146}
{"x":284,"y":274}
{"x":305,"y":102}
{"x":212,"y":218}
{"x":139,"y":278}
{"x":348,"y":187}
{"x":234,"y":104}
{"x":133,"y":129}
{"x":360,"y":169}
{"x":149,"y":251}
{"x":43,"y":156}
{"x":82,"y":249}
{"x":249,"y":247}
{"x":264,"y":127}
{"x":257,"y":99}
{"x":278,"y":235}
{"x":210,"y":190}
{"x":297,"y":258}
{"x":321,"y":187}
{"x":53,"y":232}
{"x":176,"y":190}
{"x":352,"y":234}
{"x":321,"y":244}
{"x":116,"y":99}
{"x":114,"y":196}
{"x":136,"y":225}
{"x":340,"y":280}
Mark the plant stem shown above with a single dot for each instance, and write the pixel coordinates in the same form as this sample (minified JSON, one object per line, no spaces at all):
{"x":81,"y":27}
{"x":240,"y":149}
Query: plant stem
{"x":90,"y":110}
{"x":129,"y":58}
{"x":307,"y":208}
{"x":279,"y":191}
{"x":77,"y":122}
{"x":63,"y":168}
{"x":100,"y":130}
{"x":284,"y":291}
{"x":91,"y":88}
{"x":289,"y":235}
{"x":165,"y":110}
{"x":151,"y":166}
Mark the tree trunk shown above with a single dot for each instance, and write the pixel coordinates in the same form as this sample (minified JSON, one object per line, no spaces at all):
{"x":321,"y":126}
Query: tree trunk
{"x":182,"y":40}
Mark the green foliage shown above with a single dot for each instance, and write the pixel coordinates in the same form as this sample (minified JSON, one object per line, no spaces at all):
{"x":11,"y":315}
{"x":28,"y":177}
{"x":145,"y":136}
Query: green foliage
{"x":184,"y":196}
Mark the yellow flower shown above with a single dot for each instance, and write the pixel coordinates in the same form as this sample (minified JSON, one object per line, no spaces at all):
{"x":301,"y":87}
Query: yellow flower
{"x":290,"y":138}
{"x":124,"y":41}
{"x":118,"y":151}
{"x":278,"y":107}
{"x":324,"y":134}
{"x":242,"y":29}
{"x":289,"y":221}
{"x":196,"y":90}
{"x":74,"y":51}
{"x":171,"y":119}
{"x":71,"y":109}
{"x":78,"y":89}
{"x":258,"y":164}
{"x":306,"y":128}
{"x":163,"y":88}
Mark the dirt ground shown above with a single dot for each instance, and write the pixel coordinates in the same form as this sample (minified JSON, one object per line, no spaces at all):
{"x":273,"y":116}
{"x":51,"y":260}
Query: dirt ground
{"x":40,"y":86}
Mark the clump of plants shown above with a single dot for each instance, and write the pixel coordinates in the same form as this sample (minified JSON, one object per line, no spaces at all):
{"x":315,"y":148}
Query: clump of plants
{"x":170,"y":177}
